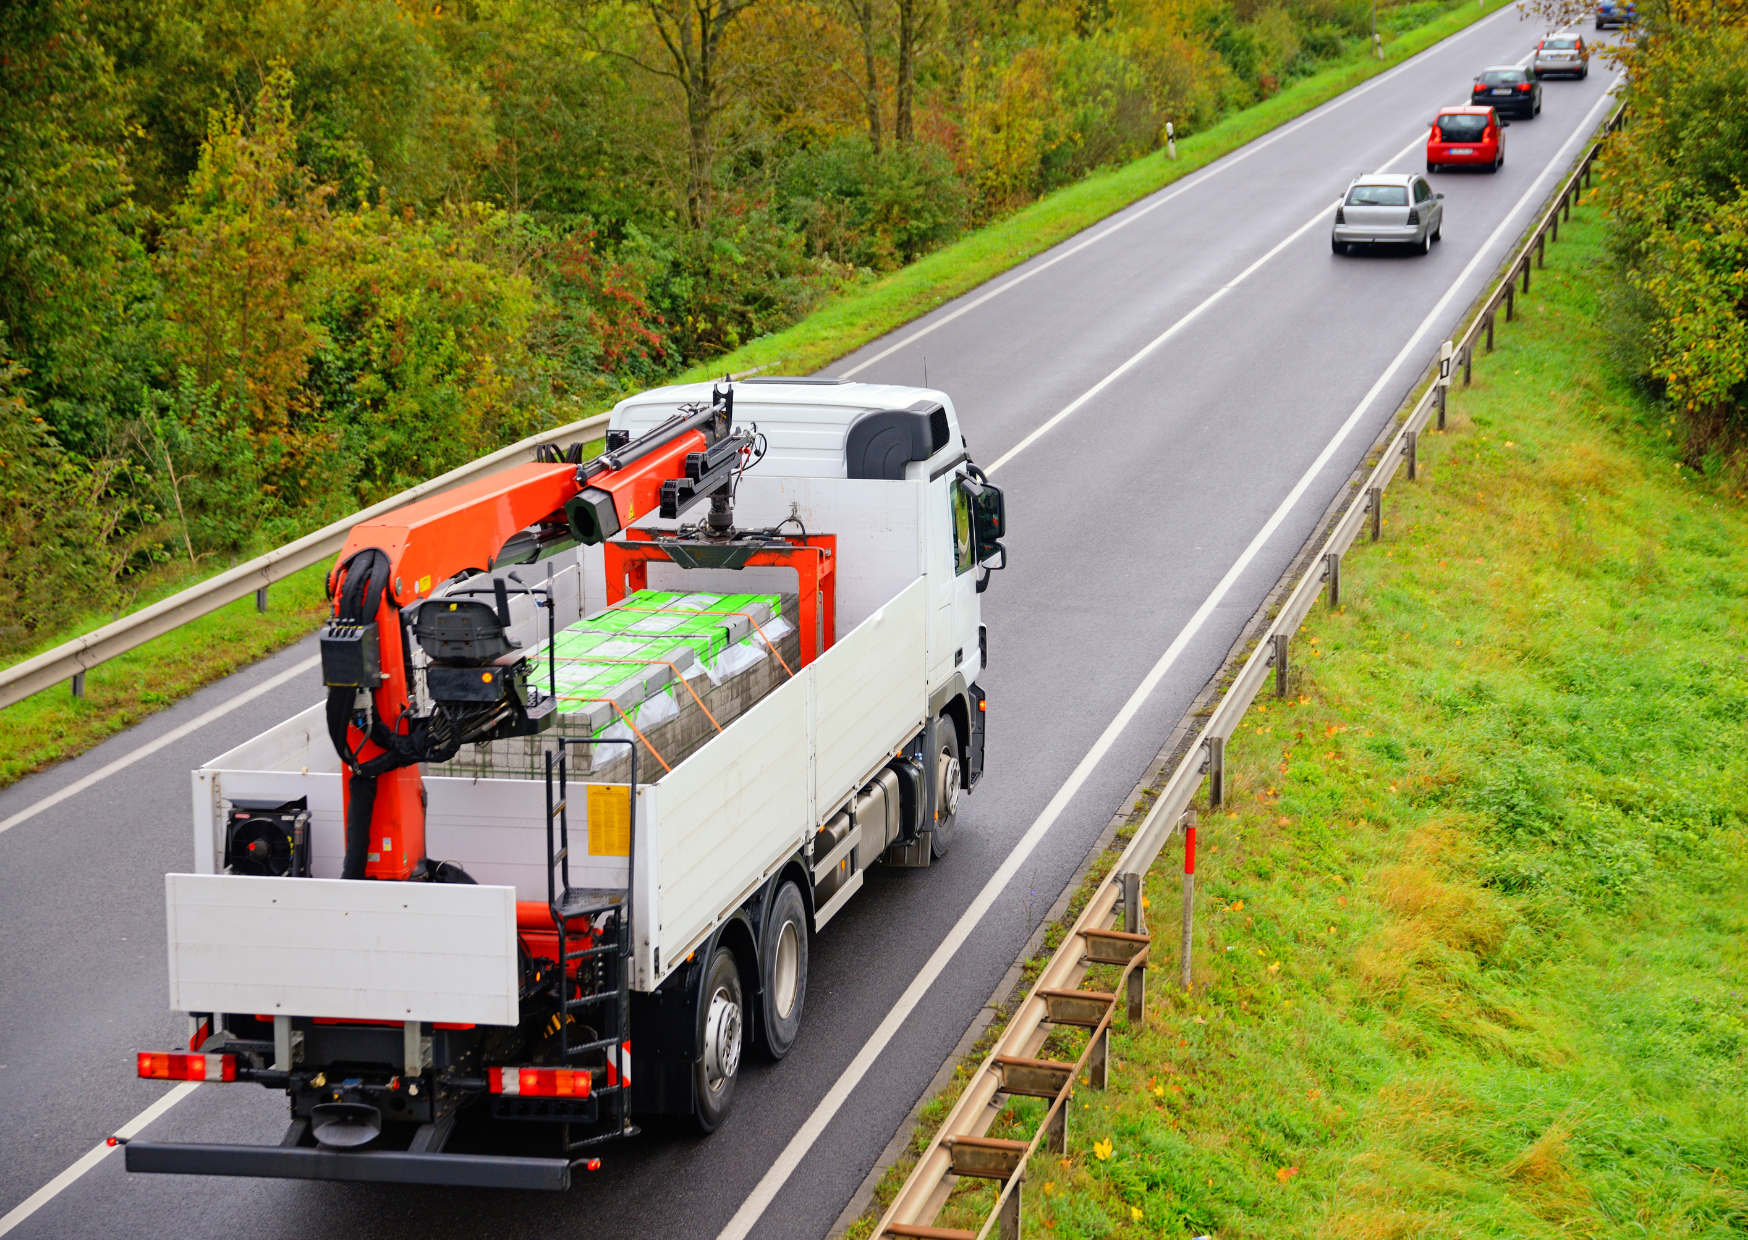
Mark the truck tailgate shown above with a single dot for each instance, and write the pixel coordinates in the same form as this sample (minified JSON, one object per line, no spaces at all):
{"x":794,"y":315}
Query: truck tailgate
{"x":352,"y":950}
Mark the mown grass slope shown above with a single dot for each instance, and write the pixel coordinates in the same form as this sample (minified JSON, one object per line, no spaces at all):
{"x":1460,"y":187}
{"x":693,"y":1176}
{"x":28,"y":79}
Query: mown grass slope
{"x":1472,"y":941}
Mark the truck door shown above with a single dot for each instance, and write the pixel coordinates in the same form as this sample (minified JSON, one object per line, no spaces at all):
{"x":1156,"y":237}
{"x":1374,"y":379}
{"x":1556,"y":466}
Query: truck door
{"x":952,"y":565}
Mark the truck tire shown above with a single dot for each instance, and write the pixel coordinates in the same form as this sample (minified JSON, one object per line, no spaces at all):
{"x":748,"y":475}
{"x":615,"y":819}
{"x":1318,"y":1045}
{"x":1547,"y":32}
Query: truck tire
{"x":783,"y":971}
{"x":946,"y":786}
{"x":724,"y":1036}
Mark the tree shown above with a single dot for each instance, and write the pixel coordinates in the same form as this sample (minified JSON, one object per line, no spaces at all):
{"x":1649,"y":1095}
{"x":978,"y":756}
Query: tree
{"x":916,"y":19}
{"x":692,"y":32}
{"x":862,"y":17}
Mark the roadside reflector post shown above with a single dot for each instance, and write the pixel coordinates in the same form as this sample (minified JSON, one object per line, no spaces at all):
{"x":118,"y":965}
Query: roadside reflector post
{"x":1189,"y":899}
{"x":1375,"y":505}
{"x":1332,"y":574}
{"x":1216,"y":768}
{"x":261,"y":599}
{"x":78,"y":684}
{"x":1444,"y":390}
{"x":1411,"y":450}
{"x":1170,"y":141}
{"x":1280,"y":642}
{"x":1447,"y":364}
{"x":1056,"y":1129}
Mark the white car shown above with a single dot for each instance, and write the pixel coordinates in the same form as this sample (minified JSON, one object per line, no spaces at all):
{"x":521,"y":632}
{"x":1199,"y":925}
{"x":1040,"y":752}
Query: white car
{"x":1388,"y":209}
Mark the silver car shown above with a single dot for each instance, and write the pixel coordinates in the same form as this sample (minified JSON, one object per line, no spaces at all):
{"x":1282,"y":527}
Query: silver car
{"x":1562,"y":53}
{"x":1388,"y":208}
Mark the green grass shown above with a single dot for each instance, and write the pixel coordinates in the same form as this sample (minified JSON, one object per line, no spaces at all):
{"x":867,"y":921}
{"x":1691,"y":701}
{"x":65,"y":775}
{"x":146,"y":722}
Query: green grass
{"x":1472,"y":942}
{"x":50,"y":726}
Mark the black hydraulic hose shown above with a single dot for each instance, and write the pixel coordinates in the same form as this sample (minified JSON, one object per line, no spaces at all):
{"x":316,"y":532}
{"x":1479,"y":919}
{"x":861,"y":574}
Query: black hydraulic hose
{"x":360,"y":806}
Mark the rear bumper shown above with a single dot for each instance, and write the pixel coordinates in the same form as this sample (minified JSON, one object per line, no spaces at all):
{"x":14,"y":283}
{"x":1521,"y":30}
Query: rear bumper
{"x":1403,"y":234}
{"x":373,"y":1167}
{"x":1480,"y":155}
{"x":1514,"y":105}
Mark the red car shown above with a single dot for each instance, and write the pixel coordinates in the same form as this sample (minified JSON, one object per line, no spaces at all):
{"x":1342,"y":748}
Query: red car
{"x":1466,"y":137}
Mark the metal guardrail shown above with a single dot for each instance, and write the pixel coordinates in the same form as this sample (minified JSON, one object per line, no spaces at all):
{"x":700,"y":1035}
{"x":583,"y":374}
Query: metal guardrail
{"x":71,"y":660}
{"x":959,"y":1146}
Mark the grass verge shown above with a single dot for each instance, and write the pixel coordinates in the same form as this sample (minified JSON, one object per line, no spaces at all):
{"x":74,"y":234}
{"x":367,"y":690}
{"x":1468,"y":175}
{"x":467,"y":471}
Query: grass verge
{"x":50,"y":726}
{"x":1472,"y":943}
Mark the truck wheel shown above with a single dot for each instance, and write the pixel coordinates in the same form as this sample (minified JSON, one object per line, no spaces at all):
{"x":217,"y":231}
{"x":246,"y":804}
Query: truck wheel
{"x":784,"y":970}
{"x":719,"y":1066}
{"x":947,"y":786}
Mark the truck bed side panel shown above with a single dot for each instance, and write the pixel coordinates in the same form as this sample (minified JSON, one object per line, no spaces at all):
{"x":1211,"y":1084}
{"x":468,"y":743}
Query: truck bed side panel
{"x":870,"y":695}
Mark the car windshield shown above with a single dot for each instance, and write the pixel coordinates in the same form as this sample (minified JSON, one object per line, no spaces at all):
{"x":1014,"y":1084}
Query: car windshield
{"x":1502,"y":77}
{"x":1378,"y":196}
{"x":1461,"y":128}
{"x":1561,"y":44}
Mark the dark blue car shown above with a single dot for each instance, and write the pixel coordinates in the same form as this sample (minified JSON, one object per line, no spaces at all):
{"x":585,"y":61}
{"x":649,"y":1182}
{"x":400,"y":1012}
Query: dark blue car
{"x":1616,"y":13}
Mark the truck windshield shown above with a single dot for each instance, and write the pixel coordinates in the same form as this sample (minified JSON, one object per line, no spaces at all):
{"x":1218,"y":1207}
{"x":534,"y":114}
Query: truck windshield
{"x":1461,"y":128}
{"x":1378,"y":196}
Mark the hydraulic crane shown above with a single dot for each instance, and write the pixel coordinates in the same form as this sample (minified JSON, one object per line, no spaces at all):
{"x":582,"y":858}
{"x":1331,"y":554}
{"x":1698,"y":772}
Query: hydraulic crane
{"x":418,"y":664}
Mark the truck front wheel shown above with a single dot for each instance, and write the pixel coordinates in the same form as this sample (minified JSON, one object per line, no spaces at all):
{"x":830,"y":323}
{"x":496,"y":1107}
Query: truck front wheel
{"x":946,"y":785}
{"x":724,"y":1034}
{"x":784,"y":970}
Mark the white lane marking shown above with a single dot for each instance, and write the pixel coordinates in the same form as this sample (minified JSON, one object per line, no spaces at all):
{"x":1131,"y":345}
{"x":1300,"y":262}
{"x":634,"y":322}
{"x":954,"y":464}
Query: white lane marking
{"x":152,"y":747}
{"x":1136,"y":358}
{"x":42,"y":1196}
{"x":766,"y":1189}
{"x":1195,"y":179}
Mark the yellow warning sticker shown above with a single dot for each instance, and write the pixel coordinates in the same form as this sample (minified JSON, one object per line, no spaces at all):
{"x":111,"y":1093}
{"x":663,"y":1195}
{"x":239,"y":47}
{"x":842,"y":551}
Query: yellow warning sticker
{"x":609,"y":820}
{"x":423,"y":585}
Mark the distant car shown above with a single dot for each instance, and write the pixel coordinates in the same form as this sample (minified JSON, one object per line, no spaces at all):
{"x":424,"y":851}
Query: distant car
{"x":1466,"y":137}
{"x":1562,"y":53}
{"x":1508,"y":88}
{"x":1616,"y":13}
{"x":1389,"y":208}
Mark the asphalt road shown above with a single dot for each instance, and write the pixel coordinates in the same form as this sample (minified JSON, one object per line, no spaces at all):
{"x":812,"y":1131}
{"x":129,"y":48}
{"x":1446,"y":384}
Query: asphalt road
{"x":1126,"y":516}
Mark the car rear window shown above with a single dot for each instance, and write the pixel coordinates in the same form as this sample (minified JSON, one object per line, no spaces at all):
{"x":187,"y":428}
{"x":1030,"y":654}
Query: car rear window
{"x":1378,"y":196}
{"x":1461,"y":128}
{"x":1561,"y":43}
{"x":1503,"y":77}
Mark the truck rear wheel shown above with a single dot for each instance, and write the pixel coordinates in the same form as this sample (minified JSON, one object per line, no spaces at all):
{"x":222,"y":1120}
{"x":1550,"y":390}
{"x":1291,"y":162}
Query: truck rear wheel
{"x":724,"y":1035}
{"x":784,"y":970}
{"x":946,"y":786}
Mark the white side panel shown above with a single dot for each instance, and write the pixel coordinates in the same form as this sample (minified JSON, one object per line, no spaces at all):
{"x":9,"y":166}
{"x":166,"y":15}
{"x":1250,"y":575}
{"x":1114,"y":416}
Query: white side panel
{"x":877,"y":523}
{"x":301,"y":741}
{"x":726,"y":816}
{"x":495,"y":829}
{"x":871,"y":694}
{"x":360,"y":951}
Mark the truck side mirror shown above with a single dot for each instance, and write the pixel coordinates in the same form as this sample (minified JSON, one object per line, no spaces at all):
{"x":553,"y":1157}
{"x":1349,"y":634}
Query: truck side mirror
{"x":989,"y":523}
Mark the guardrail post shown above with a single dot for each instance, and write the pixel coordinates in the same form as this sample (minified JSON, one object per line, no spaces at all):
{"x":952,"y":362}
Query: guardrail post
{"x":1469,"y":355}
{"x":1008,"y":1227}
{"x":78,"y":684}
{"x":1280,"y":641}
{"x":1375,"y":504}
{"x":1056,"y":1130}
{"x":261,"y":599}
{"x":1216,"y":768}
{"x":1098,"y":1060}
{"x":1541,"y":257}
{"x":1189,"y":901}
{"x":1490,"y":317}
{"x":1411,"y":450}
{"x":1526,"y":271}
{"x":1566,"y":200}
{"x":1332,"y":574}
{"x":1510,"y":296}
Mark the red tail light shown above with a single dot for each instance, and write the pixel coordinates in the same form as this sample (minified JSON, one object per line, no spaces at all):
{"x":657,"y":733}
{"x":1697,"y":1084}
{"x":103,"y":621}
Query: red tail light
{"x":179,"y":1067}
{"x":1524,"y":87}
{"x":540,"y":1082}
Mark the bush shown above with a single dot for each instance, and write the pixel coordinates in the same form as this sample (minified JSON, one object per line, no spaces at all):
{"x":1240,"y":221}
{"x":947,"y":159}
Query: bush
{"x":863,"y":208}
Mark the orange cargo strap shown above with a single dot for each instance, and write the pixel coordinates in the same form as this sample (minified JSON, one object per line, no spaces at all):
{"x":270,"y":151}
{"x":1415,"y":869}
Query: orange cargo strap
{"x":649,"y":663}
{"x":769,"y":644}
{"x":656,"y":753}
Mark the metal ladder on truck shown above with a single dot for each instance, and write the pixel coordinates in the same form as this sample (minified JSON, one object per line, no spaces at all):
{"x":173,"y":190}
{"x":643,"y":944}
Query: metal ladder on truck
{"x":602,"y":998}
